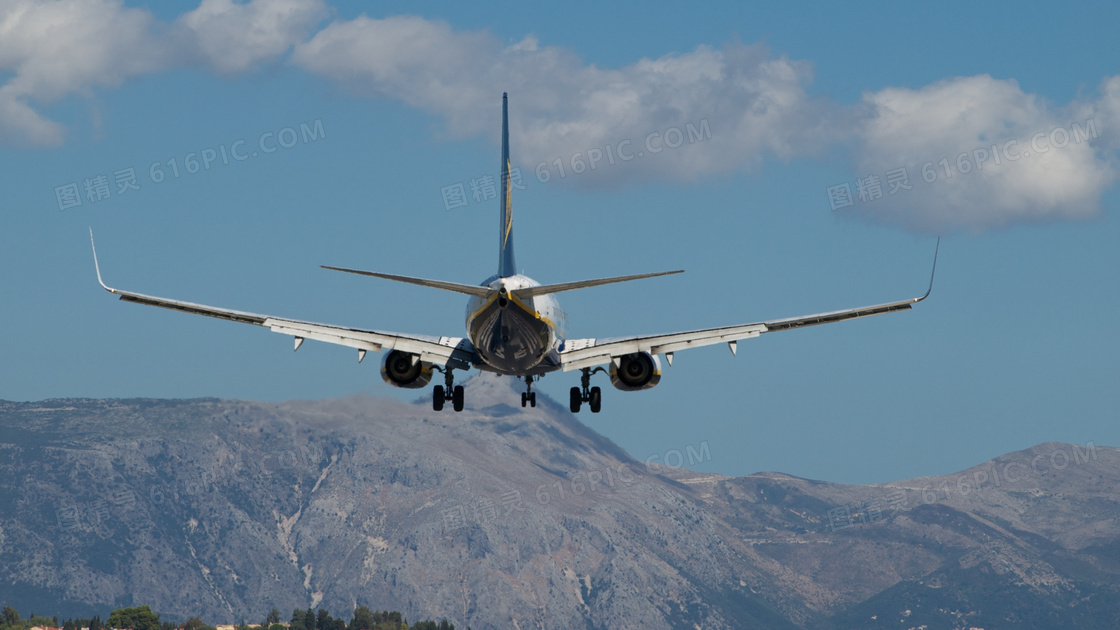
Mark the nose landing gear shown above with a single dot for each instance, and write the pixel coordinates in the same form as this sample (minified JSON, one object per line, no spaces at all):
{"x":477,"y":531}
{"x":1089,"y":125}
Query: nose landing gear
{"x":529,"y":397}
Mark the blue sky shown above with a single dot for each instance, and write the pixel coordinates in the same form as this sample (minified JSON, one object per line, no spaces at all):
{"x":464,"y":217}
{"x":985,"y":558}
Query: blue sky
{"x":382,"y":109}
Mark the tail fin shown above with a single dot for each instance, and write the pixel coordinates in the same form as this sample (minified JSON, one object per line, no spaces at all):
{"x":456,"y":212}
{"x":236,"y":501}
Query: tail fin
{"x":506,"y":266}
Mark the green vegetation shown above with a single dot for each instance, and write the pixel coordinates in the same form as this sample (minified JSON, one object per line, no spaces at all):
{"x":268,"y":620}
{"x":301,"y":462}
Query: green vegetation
{"x":194,"y":623}
{"x":140,"y":618}
{"x":11,"y":620}
{"x":363,"y":619}
{"x":143,"y":618}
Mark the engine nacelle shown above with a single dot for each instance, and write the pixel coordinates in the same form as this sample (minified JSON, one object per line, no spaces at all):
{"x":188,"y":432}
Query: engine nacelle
{"x":637,"y":371}
{"x":402,"y":369}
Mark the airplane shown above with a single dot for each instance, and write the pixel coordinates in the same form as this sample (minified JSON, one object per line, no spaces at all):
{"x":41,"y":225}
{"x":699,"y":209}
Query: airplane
{"x":514,"y":327}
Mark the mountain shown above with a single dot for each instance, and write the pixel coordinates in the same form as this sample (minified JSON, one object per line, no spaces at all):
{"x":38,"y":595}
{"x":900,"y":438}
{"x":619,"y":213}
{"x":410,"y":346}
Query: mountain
{"x":502,"y":517}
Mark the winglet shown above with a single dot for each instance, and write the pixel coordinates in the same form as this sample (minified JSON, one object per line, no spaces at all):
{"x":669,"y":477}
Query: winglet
{"x":932,"y":271}
{"x":96,"y":266}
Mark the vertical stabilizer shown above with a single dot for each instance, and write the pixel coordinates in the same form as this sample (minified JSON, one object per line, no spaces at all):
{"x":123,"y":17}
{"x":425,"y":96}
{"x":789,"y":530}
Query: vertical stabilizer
{"x":506,"y":266}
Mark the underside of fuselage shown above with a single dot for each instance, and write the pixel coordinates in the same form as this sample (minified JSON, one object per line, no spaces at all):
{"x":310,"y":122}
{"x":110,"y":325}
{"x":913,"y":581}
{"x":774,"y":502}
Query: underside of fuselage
{"x":509,"y":338}
{"x":513,"y":336}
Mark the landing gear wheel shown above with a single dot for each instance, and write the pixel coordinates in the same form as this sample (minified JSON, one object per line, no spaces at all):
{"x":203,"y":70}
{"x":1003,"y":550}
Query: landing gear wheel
{"x":595,"y":400}
{"x":576,"y":400}
{"x":457,"y":398}
{"x":438,"y":398}
{"x":529,"y":397}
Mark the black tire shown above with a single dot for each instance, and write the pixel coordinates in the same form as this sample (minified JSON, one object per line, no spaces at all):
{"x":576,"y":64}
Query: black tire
{"x":524,"y":400}
{"x":576,"y":400}
{"x":533,"y":399}
{"x":437,"y":398}
{"x":595,"y":400}
{"x":457,"y":398}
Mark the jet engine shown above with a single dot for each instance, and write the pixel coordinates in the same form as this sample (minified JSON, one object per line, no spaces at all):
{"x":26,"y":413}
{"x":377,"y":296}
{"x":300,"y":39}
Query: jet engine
{"x":637,"y":371}
{"x":402,"y":369}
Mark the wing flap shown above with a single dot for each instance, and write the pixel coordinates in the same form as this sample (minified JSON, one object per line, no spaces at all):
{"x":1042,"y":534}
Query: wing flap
{"x":581,"y":353}
{"x":326,"y":334}
{"x":440,"y":350}
{"x":839,"y":316}
{"x":190,"y":307}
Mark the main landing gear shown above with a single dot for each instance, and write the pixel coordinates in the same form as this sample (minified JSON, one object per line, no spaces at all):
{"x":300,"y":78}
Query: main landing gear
{"x":529,"y":397}
{"x":447,"y":391}
{"x":593,"y":396}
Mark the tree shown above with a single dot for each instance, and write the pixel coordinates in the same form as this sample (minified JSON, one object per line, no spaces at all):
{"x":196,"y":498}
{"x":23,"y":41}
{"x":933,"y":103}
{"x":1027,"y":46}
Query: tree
{"x":302,"y":620}
{"x":431,"y":625}
{"x":140,"y":618}
{"x":362,"y":619}
{"x":273,"y":616}
{"x":11,"y":616}
{"x":299,"y":621}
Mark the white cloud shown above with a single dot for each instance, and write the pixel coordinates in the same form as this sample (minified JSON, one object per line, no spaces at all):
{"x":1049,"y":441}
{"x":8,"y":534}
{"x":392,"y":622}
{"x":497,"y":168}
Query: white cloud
{"x":995,"y":155}
{"x":54,"y":49}
{"x":755,"y":105}
{"x":741,"y":104}
{"x":1106,"y":111}
{"x":233,"y":38}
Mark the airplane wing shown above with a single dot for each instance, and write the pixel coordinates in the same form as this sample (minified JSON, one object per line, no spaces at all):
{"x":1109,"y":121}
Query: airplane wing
{"x":581,"y":353}
{"x":439,"y":350}
{"x":585,"y":353}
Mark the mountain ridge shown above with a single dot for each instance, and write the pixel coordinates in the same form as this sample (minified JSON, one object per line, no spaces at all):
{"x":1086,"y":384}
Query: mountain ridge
{"x":504,"y":517}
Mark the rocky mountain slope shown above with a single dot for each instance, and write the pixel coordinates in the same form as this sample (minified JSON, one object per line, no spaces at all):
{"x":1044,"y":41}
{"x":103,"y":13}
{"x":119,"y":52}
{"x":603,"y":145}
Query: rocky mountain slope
{"x":500,"y":517}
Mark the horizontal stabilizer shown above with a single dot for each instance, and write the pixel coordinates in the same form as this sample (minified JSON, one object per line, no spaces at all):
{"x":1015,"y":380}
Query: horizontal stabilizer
{"x":530,"y":292}
{"x":468,"y":289}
